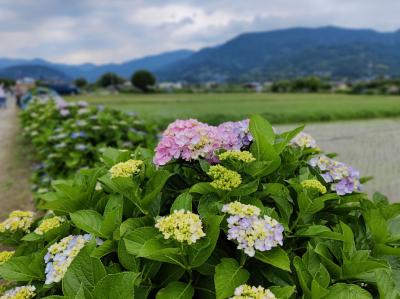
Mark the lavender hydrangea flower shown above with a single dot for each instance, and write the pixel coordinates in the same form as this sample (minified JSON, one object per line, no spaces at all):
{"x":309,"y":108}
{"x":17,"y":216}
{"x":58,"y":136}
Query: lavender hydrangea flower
{"x":251,"y":231}
{"x":76,"y":135}
{"x":304,"y":140}
{"x":345,"y":179}
{"x":64,"y":112}
{"x":81,"y":147}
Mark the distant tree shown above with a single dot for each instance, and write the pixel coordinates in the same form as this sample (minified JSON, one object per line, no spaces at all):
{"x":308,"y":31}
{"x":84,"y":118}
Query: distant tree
{"x":7,"y":82}
{"x":143,"y":80}
{"x":81,"y":82}
{"x":109,"y":79}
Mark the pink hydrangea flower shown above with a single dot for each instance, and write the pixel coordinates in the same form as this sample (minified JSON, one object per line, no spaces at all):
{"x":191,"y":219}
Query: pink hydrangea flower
{"x":191,"y":140}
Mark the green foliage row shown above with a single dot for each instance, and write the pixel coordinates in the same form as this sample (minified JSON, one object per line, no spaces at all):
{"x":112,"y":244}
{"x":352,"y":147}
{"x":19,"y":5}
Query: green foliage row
{"x":334,"y":246}
{"x":67,"y":137}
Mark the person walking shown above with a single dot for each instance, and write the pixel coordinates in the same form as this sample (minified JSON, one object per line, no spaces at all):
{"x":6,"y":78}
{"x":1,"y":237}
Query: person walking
{"x":3,"y":97}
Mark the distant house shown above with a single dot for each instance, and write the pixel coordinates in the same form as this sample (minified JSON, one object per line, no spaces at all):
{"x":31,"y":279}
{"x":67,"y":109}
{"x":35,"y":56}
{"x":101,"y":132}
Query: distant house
{"x":170,"y":86}
{"x":339,"y":87}
{"x":393,"y":89}
{"x":256,"y":86}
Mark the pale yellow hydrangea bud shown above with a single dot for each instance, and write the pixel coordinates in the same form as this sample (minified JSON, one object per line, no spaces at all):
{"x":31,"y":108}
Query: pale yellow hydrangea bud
{"x":126,"y":169}
{"x":183,"y":226}
{"x":242,"y":210}
{"x":5,"y":256}
{"x":223,"y":178}
{"x":250,"y":292}
{"x":314,"y":185}
{"x":49,"y":224}
{"x":244,"y":156}
{"x":24,"y":292}
{"x":17,"y":220}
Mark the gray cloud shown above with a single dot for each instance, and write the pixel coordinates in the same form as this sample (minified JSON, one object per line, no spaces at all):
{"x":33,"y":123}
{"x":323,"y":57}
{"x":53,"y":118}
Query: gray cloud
{"x":101,"y":31}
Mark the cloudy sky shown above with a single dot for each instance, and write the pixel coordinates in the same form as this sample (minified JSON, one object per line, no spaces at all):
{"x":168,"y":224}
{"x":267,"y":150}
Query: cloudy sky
{"x":100,"y":31}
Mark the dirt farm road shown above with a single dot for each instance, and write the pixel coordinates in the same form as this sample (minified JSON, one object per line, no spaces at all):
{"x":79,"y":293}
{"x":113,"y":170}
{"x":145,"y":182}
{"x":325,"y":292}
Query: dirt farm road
{"x":14,"y":168}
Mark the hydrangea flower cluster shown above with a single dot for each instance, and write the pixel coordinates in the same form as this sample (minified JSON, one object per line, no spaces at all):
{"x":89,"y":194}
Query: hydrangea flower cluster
{"x":126,"y":169}
{"x":17,"y":220}
{"x":23,"y":292}
{"x":250,"y":292}
{"x":49,"y":224}
{"x":60,"y":255}
{"x":191,"y":139}
{"x":223,"y":178}
{"x":244,"y":156}
{"x":242,"y":210}
{"x":314,"y":185}
{"x":5,"y":256}
{"x":253,"y":232}
{"x":304,"y":140}
{"x":345,"y":179}
{"x":183,"y":226}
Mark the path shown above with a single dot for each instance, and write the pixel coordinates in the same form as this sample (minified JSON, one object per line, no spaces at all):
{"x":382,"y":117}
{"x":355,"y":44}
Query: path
{"x":14,"y":165}
{"x":372,"y":146}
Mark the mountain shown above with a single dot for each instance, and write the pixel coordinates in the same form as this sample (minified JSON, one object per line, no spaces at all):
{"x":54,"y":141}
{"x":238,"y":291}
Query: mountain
{"x":40,"y":72}
{"x":331,"y":52}
{"x":91,"y":71}
{"x":327,"y":51}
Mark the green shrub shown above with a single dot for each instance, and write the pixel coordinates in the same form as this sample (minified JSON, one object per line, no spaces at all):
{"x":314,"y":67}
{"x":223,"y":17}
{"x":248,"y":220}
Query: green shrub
{"x":69,"y":136}
{"x":145,"y":242}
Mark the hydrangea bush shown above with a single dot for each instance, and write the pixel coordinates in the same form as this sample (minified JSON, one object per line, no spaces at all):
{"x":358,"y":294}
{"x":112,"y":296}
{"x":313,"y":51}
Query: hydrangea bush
{"x":231,"y":211}
{"x":68,"y":136}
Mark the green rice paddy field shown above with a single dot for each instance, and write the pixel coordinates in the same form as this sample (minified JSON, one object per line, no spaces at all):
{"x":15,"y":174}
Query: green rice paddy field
{"x":372,"y":146}
{"x":278,"y":108}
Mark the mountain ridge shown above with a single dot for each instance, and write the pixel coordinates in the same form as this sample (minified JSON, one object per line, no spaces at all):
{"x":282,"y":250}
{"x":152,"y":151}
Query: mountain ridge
{"x":329,"y":51}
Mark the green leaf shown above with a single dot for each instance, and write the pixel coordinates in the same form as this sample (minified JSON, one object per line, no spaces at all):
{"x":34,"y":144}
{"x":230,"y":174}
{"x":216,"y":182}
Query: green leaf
{"x":209,"y":205}
{"x":347,"y":291}
{"x":202,"y":188}
{"x":169,"y":273}
{"x":319,"y":231}
{"x":134,"y":223}
{"x":135,"y":240}
{"x":228,"y":276}
{"x":176,"y":290}
{"x":199,"y":252}
{"x":112,"y":216}
{"x":285,"y":138}
{"x":116,"y":286}
{"x":182,"y":202}
{"x":85,"y":270}
{"x":156,"y":250}
{"x":22,"y":268}
{"x":245,"y":189}
{"x":348,"y":239}
{"x":259,"y":126}
{"x":262,"y":147}
{"x":127,"y":260}
{"x":106,"y":248}
{"x":377,"y":225}
{"x":88,"y":220}
{"x":276,"y":257}
{"x":317,"y":291}
{"x":112,"y":156}
{"x":283,"y":292}
{"x":281,"y":196}
{"x":303,"y":276}
{"x":153,"y":188}
{"x":310,"y":206}
{"x":386,"y":285}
